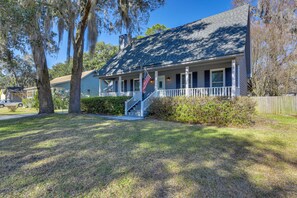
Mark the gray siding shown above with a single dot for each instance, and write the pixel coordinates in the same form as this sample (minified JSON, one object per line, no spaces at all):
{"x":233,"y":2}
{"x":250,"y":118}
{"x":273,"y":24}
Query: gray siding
{"x":89,"y":82}
{"x":243,"y":75}
{"x":65,"y":85}
{"x":92,"y":83}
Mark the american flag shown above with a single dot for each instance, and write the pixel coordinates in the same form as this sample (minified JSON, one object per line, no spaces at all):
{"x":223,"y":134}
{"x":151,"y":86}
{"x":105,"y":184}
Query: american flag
{"x":147,"y":79}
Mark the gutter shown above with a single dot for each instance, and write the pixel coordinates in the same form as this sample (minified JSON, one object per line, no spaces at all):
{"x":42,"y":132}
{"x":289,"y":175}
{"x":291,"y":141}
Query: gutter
{"x":153,"y":68}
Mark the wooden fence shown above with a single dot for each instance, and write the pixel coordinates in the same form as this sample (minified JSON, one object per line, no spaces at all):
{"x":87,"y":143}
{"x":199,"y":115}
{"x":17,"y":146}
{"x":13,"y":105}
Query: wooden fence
{"x":276,"y":104}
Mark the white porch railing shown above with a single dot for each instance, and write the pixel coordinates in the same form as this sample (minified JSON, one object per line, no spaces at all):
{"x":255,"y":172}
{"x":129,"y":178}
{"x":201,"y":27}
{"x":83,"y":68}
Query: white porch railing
{"x":147,"y":102}
{"x":137,"y":96}
{"x":171,"y":92}
{"x":105,"y":94}
{"x":213,"y":91}
{"x":197,"y":92}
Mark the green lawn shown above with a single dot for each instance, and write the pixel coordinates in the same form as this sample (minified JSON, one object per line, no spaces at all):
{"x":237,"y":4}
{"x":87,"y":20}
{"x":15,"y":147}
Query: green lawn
{"x":86,"y":156}
{"x":20,"y":110}
{"x":5,"y":111}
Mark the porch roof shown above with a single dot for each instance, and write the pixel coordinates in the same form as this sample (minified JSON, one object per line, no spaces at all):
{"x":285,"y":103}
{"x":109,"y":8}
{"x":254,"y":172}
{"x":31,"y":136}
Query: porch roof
{"x":216,"y":36}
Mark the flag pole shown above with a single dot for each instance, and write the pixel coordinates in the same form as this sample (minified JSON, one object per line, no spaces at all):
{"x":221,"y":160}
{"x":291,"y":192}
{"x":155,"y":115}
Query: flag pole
{"x":142,"y":91}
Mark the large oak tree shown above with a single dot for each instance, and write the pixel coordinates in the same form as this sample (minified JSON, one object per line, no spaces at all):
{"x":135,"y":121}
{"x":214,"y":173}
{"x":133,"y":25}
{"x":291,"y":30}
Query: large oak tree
{"x":95,"y":16}
{"x":27,"y":24}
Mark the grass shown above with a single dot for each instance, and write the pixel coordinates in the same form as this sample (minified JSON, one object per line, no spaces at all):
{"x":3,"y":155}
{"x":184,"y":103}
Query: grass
{"x":5,"y":111}
{"x":86,"y":156}
{"x":20,"y":110}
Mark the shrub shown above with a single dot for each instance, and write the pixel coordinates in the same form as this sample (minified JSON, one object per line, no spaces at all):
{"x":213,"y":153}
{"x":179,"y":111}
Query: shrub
{"x":208,"y":110}
{"x":12,"y":108}
{"x":61,"y":101}
{"x":28,"y":102}
{"x":104,"y":105}
{"x":31,"y":102}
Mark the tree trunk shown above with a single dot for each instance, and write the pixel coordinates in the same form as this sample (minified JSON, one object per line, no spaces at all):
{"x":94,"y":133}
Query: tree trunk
{"x":75,"y":83}
{"x":42,"y":82}
{"x":78,"y":50}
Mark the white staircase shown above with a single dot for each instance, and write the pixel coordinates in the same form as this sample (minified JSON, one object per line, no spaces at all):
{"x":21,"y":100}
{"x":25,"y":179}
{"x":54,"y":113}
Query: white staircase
{"x":135,"y":111}
{"x":137,"y":108}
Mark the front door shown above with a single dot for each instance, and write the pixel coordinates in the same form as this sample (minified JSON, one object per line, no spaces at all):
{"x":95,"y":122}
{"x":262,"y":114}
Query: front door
{"x":161,"y":82}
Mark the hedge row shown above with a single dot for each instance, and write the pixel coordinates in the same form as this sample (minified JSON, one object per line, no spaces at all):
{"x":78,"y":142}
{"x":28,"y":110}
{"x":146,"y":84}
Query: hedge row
{"x":208,"y":110}
{"x":104,"y":105}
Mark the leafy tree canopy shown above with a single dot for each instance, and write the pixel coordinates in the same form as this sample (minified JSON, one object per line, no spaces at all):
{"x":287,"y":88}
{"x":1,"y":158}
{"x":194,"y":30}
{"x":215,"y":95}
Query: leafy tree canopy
{"x":20,"y":71}
{"x":154,"y":30}
{"x":60,"y":69}
{"x":103,"y":52}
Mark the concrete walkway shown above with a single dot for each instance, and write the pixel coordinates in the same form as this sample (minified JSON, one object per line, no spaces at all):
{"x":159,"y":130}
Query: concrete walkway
{"x":10,"y":117}
{"x":124,"y":118}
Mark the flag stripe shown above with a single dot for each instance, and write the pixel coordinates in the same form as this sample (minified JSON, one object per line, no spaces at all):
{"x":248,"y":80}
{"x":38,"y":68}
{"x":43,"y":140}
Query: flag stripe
{"x":147,"y":78}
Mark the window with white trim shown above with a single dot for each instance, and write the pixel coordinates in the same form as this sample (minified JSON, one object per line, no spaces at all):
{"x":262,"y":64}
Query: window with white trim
{"x":183,"y":80}
{"x":217,"y":78}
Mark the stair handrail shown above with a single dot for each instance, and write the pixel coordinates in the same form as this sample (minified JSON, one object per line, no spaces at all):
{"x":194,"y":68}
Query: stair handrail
{"x":147,"y":102}
{"x":132,"y":102}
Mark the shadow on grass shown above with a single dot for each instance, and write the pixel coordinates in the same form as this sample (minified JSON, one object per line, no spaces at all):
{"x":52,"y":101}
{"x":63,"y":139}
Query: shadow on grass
{"x":87,"y":156}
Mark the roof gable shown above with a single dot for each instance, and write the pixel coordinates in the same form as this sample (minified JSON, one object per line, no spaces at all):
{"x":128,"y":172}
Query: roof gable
{"x":216,"y":36}
{"x":64,"y":79}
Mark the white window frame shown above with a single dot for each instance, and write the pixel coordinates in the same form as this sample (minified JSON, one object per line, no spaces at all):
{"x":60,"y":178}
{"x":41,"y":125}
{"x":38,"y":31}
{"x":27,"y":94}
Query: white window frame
{"x":181,"y":80}
{"x":224,"y":76}
{"x":134,"y":84}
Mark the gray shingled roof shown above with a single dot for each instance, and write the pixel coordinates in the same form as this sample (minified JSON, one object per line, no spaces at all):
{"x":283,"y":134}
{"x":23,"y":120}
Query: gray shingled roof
{"x":216,"y":36}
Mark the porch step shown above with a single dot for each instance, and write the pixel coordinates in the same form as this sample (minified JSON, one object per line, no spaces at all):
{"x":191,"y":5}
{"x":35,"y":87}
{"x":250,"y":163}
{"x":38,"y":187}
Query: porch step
{"x":135,"y":111}
{"x":134,"y":114}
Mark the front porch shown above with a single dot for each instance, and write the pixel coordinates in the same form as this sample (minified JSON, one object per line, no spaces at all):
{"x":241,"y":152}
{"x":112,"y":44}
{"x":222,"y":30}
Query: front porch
{"x":193,"y":92}
{"x":215,"y":79}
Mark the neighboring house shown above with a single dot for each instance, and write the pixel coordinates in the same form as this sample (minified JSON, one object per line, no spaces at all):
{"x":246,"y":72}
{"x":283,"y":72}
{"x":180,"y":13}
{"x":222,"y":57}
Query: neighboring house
{"x":209,"y":57}
{"x":2,"y":95}
{"x":89,"y":85}
{"x":30,"y":92}
{"x":14,"y":94}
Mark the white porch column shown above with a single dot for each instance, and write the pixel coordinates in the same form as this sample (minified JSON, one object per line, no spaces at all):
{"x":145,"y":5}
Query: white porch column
{"x":120,"y":86}
{"x":233,"y":89}
{"x":140,"y":90}
{"x":156,"y":81}
{"x":187,"y":81}
{"x":100,"y":86}
{"x":238,"y":79}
